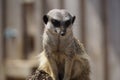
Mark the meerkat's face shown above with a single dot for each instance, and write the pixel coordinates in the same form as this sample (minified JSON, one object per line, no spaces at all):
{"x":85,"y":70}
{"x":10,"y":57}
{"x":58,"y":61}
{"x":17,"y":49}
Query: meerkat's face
{"x":58,"y":21}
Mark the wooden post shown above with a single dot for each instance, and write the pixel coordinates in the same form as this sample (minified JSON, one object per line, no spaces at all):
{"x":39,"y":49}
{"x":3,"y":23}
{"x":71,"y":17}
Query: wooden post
{"x":32,"y":28}
{"x":29,"y":29}
{"x":73,"y":6}
{"x":113,"y":38}
{"x":94,"y":38}
{"x":2,"y":39}
{"x":13,"y":26}
{"x":15,"y":60}
{"x":1,"y":47}
{"x":39,"y":25}
{"x":82,"y":6}
{"x":52,"y":4}
{"x":105,"y":42}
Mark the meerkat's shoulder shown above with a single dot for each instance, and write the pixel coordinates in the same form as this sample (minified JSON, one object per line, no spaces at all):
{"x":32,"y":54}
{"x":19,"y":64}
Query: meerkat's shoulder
{"x":77,"y":41}
{"x":78,"y":46}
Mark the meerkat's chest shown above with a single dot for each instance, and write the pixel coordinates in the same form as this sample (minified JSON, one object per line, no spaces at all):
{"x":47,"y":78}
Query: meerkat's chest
{"x":59,"y":57}
{"x":55,"y":45}
{"x":60,"y":62}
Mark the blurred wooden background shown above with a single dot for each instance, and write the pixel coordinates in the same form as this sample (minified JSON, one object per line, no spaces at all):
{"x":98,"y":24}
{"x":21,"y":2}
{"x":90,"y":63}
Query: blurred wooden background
{"x":21,"y":28}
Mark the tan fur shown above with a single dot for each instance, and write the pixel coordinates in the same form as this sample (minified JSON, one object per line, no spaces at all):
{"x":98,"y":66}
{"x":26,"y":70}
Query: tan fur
{"x":64,"y":57}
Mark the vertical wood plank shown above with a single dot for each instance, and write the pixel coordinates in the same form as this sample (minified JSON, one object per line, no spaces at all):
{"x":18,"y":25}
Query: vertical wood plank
{"x":28,"y":28}
{"x":2,"y":73}
{"x":39,"y":25}
{"x":94,"y":38}
{"x":24,"y":30}
{"x":33,"y":27}
{"x":14,"y":22}
{"x":73,"y":6}
{"x":105,"y":42}
{"x":1,"y":48}
{"x":83,"y":22}
{"x":113,"y":29}
{"x":52,"y":4}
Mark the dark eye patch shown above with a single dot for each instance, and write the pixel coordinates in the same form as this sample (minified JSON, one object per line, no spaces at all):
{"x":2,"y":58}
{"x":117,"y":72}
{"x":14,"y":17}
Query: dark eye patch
{"x":67,"y":23}
{"x":56,"y":23}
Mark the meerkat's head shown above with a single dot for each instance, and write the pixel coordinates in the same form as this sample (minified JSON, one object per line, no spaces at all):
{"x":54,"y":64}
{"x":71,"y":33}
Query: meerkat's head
{"x":58,"y":21}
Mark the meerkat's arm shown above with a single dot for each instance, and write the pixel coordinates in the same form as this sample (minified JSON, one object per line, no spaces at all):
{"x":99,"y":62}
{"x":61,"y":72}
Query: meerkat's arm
{"x":53,"y":68}
{"x":48,"y":65}
{"x":68,"y":68}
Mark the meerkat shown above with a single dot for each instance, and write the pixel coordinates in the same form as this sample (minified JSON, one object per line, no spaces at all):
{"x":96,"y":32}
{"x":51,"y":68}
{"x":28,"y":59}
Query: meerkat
{"x":63,"y":56}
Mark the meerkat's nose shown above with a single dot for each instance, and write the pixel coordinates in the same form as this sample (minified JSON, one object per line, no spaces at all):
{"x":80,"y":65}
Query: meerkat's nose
{"x":62,"y":33}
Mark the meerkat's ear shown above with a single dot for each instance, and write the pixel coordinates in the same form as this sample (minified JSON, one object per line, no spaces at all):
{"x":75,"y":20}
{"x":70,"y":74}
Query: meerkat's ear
{"x":73,"y":19}
{"x":45,"y":19}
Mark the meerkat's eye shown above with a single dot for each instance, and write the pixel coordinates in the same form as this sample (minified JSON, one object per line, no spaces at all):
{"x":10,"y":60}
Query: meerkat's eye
{"x":56,"y":23}
{"x":67,"y":23}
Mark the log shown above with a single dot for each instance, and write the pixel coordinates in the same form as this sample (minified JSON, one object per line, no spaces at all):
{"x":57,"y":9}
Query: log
{"x":39,"y":75}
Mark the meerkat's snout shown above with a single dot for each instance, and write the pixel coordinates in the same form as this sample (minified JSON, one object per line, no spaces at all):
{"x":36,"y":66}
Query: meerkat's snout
{"x":61,"y":32}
